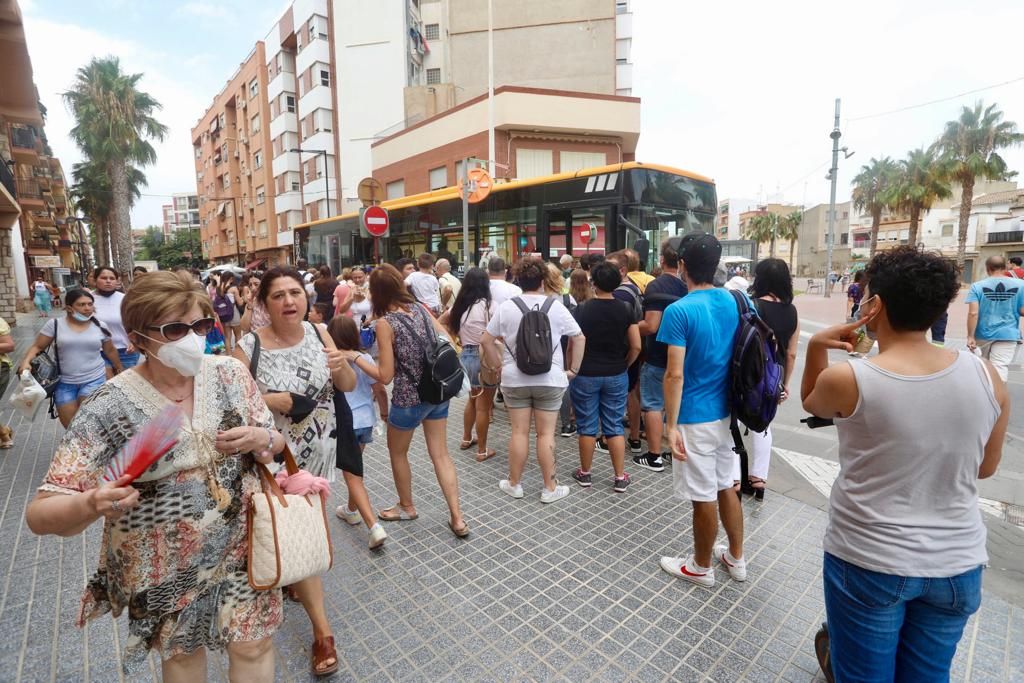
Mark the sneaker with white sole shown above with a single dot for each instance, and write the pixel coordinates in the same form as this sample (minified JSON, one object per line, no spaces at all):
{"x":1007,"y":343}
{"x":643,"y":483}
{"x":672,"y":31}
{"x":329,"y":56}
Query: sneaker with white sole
{"x":377,"y":536}
{"x":584,"y":480}
{"x":635,"y":445}
{"x":514,"y":491}
{"x":737,"y":568}
{"x":601,"y":446}
{"x":649,"y":461}
{"x":558,"y":493}
{"x":621,"y":483}
{"x":681,"y":568}
{"x":351,"y":516}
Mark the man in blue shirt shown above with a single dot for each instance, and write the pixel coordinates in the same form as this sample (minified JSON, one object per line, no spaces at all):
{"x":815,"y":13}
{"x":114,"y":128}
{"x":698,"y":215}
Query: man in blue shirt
{"x":993,"y":322}
{"x":700,"y":330}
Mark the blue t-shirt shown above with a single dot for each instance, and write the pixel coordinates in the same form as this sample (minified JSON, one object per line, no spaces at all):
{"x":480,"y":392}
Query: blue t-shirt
{"x":360,"y":399}
{"x":705,"y":322}
{"x":999,"y":302}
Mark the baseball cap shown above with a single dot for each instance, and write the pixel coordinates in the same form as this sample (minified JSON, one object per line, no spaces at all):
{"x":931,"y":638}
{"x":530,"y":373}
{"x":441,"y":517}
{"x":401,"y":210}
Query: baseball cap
{"x":702,"y":250}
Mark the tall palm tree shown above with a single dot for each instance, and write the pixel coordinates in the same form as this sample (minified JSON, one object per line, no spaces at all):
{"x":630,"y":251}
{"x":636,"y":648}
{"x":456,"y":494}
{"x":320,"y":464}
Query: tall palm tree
{"x":789,"y":229}
{"x":872,"y":192}
{"x":92,"y":195}
{"x":969,"y":149}
{"x":113,"y":125}
{"x":919,"y":182}
{"x":764,"y":227}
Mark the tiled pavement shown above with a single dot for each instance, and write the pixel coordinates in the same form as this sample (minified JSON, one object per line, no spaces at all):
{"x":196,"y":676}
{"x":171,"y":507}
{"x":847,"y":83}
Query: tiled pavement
{"x":569,"y":591}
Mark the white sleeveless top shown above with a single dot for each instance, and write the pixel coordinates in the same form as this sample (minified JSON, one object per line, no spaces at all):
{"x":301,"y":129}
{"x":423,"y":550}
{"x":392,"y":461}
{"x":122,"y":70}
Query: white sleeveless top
{"x":906,"y":499}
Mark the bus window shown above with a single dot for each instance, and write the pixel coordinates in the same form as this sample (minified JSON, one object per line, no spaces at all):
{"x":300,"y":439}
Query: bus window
{"x":508,"y":233}
{"x":658,"y":224}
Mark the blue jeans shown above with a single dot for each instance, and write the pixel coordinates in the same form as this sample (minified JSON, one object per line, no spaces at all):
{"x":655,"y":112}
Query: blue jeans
{"x":884,"y":627}
{"x":67,"y":393}
{"x":407,"y":419}
{"x":599,"y":399}
{"x":470,"y":358}
{"x":128,"y":360}
{"x":652,"y":394}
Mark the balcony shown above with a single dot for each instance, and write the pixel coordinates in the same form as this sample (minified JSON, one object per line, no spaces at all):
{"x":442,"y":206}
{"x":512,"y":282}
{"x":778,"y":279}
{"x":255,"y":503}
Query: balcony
{"x":43,"y":219}
{"x":7,"y":178}
{"x":41,"y":174}
{"x":29,"y":193}
{"x":1005,"y":237}
{"x":24,"y":147}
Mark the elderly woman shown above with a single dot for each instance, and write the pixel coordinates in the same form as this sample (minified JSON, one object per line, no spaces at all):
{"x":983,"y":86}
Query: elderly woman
{"x":298,"y":367}
{"x":174,"y":547}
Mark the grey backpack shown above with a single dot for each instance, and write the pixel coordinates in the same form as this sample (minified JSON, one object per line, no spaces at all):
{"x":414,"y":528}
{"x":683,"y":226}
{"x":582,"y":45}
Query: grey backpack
{"x":533,"y":341}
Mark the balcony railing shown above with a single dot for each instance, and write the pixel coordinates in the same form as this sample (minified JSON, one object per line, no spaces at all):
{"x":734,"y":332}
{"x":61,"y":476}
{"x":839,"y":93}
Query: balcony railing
{"x":28,"y":189}
{"x":7,"y":178}
{"x":1004,"y":237}
{"x":24,"y":137}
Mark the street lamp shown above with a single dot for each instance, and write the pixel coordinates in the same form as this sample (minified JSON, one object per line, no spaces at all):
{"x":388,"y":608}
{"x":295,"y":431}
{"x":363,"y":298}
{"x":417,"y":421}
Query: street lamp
{"x":327,"y":174}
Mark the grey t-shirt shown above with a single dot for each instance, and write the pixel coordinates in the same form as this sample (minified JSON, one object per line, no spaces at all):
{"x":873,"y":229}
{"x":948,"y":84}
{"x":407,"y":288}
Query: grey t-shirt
{"x":80,"y":353}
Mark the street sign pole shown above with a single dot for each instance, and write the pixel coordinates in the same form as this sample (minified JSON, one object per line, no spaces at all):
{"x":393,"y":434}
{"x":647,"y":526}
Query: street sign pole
{"x":465,"y":214}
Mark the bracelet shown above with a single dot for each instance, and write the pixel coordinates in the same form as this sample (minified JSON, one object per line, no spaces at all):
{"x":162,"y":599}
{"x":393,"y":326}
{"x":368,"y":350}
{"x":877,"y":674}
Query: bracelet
{"x":270,"y":442}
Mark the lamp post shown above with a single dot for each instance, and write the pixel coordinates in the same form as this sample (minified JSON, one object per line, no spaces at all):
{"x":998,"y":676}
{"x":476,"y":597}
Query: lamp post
{"x":327,"y":174}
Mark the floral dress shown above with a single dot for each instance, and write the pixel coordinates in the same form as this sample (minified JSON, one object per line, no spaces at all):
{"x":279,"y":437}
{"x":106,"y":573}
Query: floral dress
{"x":177,"y":561}
{"x":301,"y":369}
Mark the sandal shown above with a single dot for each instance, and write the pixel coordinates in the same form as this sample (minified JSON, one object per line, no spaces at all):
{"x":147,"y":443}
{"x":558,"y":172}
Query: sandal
{"x":758,"y":485}
{"x":461,"y":532}
{"x":486,"y":455}
{"x":466,"y":445}
{"x":323,"y":651}
{"x":396,"y":513}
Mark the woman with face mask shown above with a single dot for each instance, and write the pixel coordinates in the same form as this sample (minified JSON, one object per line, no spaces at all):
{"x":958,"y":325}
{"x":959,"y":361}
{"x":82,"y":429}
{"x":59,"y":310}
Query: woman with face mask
{"x":108,"y":312}
{"x":298,"y":367}
{"x":174,"y":550}
{"x":82,"y":344}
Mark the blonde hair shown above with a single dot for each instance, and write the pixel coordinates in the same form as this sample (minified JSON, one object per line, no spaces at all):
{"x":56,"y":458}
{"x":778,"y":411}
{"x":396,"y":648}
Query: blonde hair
{"x":579,"y":286}
{"x":553,"y":282}
{"x":346,"y":274}
{"x":159,"y":294}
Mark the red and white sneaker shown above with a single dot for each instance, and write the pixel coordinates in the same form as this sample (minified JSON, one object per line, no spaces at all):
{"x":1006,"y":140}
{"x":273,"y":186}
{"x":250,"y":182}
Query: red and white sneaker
{"x":683,"y":568}
{"x":737,"y":568}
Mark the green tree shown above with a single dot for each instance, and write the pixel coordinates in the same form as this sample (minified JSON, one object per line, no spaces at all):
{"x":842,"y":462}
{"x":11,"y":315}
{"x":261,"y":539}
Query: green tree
{"x":113,"y":125}
{"x":179,"y":250}
{"x":91,"y":193}
{"x":150,"y":245}
{"x":789,"y":229}
{"x":872,"y":192}
{"x":764,"y":227}
{"x":969,"y":149}
{"x":918,"y":183}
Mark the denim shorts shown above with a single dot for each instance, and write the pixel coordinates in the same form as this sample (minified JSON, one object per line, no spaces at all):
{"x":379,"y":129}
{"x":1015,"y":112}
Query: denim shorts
{"x":128,"y":360}
{"x":600,"y":400}
{"x":470,"y":358}
{"x":407,"y":419}
{"x":652,"y":382}
{"x":66,"y":393}
{"x":364,"y":435}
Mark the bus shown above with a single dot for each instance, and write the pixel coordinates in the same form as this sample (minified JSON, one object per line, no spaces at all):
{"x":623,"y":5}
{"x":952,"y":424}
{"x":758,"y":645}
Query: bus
{"x":594,"y":210}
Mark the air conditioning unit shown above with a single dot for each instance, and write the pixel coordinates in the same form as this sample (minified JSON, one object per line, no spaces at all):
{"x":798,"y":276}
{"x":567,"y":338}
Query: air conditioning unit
{"x":248,"y":172}
{"x":244,"y":141}
{"x":245,"y":103}
{"x":252,"y":206}
{"x":237,"y":155}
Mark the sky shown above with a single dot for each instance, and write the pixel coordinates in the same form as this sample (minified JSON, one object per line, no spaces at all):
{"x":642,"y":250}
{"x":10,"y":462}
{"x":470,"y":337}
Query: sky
{"x":740,"y":91}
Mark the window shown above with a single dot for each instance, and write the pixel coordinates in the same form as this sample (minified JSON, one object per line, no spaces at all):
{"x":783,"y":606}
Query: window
{"x":261,"y":195}
{"x":293,"y":181}
{"x":199,"y":152}
{"x":257,"y":160}
{"x":255,"y":124}
{"x":947,"y":229}
{"x":622,"y":60}
{"x":622,"y":7}
{"x":433,"y":76}
{"x":438,"y":178}
{"x":432,"y":32}
{"x":396,"y":189}
{"x":323,"y":121}
{"x":262,"y":228}
{"x":531,"y":163}
{"x":254,"y":88}
{"x":846,"y":214}
{"x":844,"y":238}
{"x":325,"y":77}
{"x":290,"y":103}
{"x":577,"y":161}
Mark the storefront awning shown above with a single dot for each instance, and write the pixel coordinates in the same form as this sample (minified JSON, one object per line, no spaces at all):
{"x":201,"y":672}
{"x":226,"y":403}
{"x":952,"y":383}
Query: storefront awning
{"x":252,"y":265}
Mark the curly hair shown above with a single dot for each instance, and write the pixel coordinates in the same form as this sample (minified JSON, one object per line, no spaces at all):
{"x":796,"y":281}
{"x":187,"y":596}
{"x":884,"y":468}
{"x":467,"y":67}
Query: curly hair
{"x":529,"y":273}
{"x":916,"y":286}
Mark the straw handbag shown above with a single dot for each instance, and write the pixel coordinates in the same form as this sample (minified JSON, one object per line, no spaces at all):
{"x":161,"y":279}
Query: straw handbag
{"x":289,"y":538}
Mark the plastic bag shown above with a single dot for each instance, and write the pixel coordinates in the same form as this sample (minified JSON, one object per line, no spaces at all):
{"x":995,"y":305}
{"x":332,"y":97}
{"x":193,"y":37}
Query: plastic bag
{"x":28,"y":397}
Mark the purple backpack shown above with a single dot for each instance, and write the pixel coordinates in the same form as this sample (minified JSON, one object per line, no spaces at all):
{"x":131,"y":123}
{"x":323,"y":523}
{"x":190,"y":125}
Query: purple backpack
{"x":756,"y":374}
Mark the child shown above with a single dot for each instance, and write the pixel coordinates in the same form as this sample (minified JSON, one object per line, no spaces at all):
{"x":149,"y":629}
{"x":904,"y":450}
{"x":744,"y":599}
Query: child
{"x":355,"y":417}
{"x":320,"y":313}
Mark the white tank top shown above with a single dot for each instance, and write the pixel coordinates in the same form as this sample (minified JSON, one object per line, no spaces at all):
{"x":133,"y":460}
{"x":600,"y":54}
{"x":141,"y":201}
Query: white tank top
{"x":906,"y":499}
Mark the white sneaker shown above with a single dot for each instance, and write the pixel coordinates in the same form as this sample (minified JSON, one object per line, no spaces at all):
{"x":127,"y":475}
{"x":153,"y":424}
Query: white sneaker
{"x":377,"y":536}
{"x":351,"y":516}
{"x":514,"y":491}
{"x":678,"y":567}
{"x":558,"y":493}
{"x":737,"y":568}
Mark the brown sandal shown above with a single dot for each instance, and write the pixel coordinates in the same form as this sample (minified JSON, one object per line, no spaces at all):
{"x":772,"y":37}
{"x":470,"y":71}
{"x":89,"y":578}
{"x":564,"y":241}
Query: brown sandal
{"x":486,"y":455}
{"x":323,"y":651}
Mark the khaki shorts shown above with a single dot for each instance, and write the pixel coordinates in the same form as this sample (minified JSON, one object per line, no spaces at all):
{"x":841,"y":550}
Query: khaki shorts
{"x":1000,"y":353}
{"x":538,"y":398}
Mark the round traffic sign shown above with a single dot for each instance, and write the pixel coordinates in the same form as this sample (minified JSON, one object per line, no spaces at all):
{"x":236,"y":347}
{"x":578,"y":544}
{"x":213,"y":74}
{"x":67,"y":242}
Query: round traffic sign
{"x":479,"y":185}
{"x":375,"y":220}
{"x":370,"y":191}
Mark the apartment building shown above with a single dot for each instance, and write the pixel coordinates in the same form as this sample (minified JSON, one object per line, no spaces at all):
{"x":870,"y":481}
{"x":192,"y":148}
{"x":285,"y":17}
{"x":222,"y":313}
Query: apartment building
{"x":729,"y":210}
{"x":181,"y":214}
{"x":782,"y":246}
{"x":234,"y":177}
{"x":812,"y":244}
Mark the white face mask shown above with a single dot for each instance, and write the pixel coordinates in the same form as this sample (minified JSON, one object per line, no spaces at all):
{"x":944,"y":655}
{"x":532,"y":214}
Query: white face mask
{"x":184,"y":355}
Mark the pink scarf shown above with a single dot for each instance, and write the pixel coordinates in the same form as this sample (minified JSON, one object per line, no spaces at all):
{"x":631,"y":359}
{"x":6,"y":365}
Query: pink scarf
{"x":301,"y":483}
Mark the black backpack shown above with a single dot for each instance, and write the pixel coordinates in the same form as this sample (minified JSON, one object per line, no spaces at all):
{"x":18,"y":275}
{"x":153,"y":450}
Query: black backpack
{"x":534,"y":351}
{"x":636,"y":305}
{"x":442,"y":375}
{"x":755,"y":374}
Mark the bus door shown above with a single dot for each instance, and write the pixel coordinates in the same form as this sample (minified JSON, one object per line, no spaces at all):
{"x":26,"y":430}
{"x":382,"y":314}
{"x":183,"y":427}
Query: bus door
{"x":576,"y":231}
{"x":557,"y":229}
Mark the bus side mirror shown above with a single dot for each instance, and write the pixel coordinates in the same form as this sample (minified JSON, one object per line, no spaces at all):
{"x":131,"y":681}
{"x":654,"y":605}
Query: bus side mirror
{"x":643,"y":247}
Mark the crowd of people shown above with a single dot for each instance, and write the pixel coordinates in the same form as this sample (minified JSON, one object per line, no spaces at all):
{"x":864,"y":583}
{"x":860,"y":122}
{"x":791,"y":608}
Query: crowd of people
{"x":596,"y":349}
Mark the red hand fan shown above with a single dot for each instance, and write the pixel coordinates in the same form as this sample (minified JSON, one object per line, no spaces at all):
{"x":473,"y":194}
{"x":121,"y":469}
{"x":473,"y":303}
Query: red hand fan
{"x":148,"y":445}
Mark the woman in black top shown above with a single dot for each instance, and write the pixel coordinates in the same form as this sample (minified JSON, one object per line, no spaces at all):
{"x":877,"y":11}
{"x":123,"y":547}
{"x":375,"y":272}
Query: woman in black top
{"x":600,"y":388}
{"x":772,"y":292}
{"x":324,"y":287}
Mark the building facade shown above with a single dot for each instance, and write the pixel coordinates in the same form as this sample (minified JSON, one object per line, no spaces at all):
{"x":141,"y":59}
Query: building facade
{"x":812,"y":241}
{"x":181,"y":214}
{"x":782,"y":246}
{"x":729,"y":211}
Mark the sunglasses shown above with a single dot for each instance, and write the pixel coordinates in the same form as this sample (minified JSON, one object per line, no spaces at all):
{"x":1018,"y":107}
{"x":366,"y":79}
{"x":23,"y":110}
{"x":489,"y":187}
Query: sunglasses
{"x":177,"y":330}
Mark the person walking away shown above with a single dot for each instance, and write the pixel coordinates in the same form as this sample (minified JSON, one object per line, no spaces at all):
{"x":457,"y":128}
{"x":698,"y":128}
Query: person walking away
{"x":700,"y":330}
{"x":772,"y":292}
{"x":531,"y":390}
{"x":599,"y":390}
{"x":918,"y":426}
{"x":1017,"y":267}
{"x":174,"y":548}
{"x":854,"y":294}
{"x":108,"y":311}
{"x":228,"y":291}
{"x":423,"y":284}
{"x":80,"y":343}
{"x":6,"y":366}
{"x":663,"y":291}
{"x":298,"y":368}
{"x":629,"y":293}
{"x":448,"y":283}
{"x":993,"y":319}
{"x":354,"y":418}
{"x":404,"y":329}
{"x":42,"y":296}
{"x":467,"y":319}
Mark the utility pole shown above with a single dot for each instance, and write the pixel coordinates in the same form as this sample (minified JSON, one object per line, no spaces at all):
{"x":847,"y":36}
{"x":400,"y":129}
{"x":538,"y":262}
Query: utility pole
{"x":833,"y":172}
{"x":490,"y":88}
{"x":464,"y":186}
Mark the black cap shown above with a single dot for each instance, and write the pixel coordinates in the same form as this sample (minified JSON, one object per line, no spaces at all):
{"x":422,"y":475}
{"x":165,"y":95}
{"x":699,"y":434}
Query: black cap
{"x":700,"y":249}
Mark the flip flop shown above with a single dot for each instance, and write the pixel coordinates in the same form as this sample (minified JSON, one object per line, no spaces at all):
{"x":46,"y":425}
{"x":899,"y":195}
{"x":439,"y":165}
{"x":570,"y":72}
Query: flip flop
{"x":396,"y":513}
{"x":466,"y":445}
{"x":460,"y":532}
{"x":483,"y":457}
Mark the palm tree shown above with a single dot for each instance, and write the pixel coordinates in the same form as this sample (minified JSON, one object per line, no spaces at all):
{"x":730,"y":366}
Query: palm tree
{"x":92,"y":195}
{"x":968,"y":149}
{"x":789,"y":229}
{"x":919,"y":182}
{"x":872,"y":190}
{"x":113,"y":125}
{"x":764,"y":227}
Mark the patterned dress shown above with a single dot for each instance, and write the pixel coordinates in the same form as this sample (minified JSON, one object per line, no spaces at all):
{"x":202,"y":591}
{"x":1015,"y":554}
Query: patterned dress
{"x":178,"y":561}
{"x":301,"y":369}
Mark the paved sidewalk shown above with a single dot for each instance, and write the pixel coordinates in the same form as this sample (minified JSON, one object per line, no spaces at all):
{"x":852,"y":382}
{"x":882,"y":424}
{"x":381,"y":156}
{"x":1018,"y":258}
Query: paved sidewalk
{"x":569,"y":591}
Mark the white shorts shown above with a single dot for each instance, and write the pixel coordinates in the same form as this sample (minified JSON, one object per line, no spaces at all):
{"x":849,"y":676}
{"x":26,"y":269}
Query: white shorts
{"x":710,"y":459}
{"x":1000,"y":354}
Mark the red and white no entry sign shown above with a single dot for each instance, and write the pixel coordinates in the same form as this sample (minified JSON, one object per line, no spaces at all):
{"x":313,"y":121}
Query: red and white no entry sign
{"x":375,"y":221}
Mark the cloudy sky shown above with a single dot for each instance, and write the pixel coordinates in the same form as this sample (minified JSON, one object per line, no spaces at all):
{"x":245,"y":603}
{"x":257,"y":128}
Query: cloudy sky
{"x":741,"y":91}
